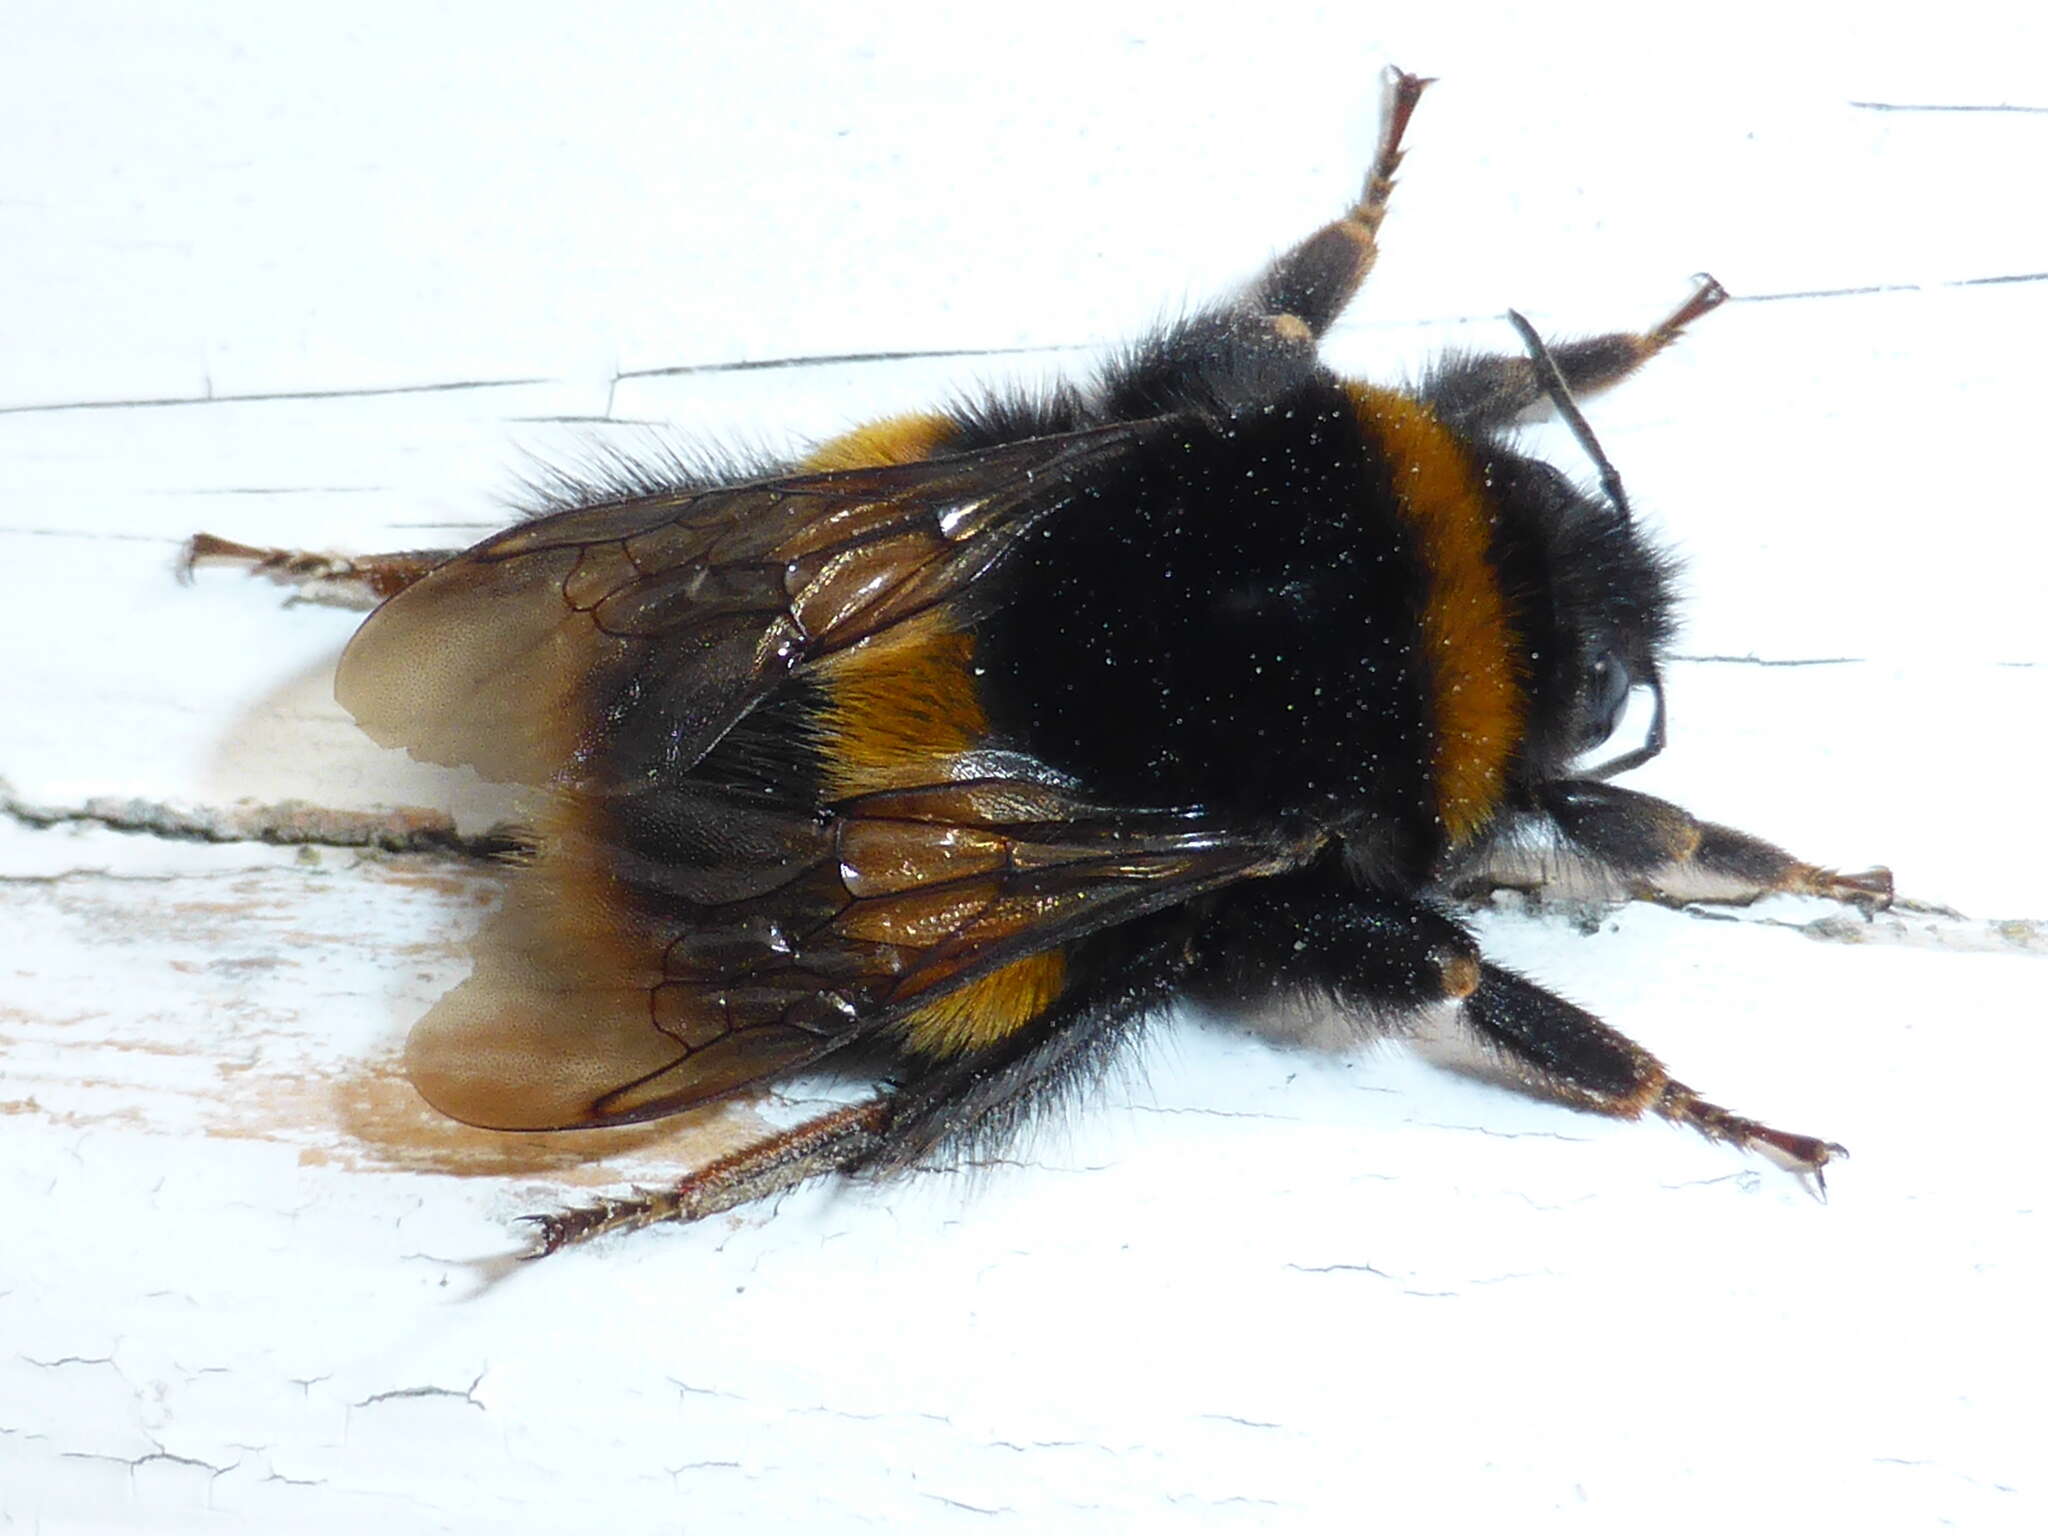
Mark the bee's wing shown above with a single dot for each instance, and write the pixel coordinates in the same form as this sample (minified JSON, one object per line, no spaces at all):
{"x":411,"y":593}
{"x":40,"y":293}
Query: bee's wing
{"x":672,"y":941}
{"x":592,"y":1004}
{"x":690,"y":604}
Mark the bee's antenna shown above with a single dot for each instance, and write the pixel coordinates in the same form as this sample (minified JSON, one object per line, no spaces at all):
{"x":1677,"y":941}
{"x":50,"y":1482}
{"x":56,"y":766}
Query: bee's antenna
{"x":1653,"y":743}
{"x":1561,"y":397}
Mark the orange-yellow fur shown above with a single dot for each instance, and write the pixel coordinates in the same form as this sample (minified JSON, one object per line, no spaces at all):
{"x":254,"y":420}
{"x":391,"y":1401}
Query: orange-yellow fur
{"x":1480,"y":700}
{"x":892,"y":440}
{"x":986,"y":1011}
{"x":902,"y":707}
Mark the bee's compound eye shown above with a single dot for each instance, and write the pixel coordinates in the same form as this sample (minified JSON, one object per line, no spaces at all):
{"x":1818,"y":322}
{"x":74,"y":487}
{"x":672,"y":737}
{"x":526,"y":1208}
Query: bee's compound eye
{"x":1607,"y":685}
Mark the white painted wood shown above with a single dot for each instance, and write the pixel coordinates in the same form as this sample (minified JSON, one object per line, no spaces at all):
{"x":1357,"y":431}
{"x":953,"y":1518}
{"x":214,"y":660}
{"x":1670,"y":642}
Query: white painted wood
{"x":248,"y":1282}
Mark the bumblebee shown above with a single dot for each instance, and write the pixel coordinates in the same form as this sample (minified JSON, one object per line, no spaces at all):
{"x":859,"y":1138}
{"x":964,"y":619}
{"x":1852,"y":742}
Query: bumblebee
{"x":973,"y":740}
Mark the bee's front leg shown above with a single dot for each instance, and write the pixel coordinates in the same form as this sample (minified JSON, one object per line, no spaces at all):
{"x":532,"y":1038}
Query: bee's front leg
{"x":1617,"y":844}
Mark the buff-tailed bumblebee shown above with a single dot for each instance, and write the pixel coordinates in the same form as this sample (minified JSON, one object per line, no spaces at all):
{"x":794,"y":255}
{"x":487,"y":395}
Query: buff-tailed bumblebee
{"x":977,"y":737}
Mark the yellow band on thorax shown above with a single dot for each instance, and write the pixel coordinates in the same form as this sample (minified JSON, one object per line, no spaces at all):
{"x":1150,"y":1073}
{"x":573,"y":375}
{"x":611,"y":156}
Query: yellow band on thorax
{"x":1476,"y":672}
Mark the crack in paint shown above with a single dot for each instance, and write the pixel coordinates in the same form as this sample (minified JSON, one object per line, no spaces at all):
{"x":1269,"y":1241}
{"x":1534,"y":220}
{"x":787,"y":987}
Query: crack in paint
{"x":284,"y":823}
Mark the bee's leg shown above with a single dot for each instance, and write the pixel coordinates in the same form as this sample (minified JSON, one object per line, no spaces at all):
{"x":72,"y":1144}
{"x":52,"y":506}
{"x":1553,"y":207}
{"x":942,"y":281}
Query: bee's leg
{"x":335,"y":581}
{"x":828,"y":1144}
{"x":1262,"y":343}
{"x":1312,"y":283}
{"x":1617,"y":844}
{"x":1387,"y":960}
{"x":1476,"y":393}
{"x":1560,"y":1049}
{"x":1384,"y":957}
{"x":977,"y":1097}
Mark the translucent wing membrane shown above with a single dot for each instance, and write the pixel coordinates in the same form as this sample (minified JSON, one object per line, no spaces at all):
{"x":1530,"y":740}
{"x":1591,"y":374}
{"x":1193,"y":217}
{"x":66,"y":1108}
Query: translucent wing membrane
{"x":600,"y":998}
{"x":515,"y":656}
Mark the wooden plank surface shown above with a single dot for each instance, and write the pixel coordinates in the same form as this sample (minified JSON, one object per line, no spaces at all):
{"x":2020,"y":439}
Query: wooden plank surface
{"x":332,"y":283}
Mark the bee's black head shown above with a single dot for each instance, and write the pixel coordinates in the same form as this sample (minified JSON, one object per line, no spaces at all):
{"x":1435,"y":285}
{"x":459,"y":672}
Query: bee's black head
{"x":1592,"y":598}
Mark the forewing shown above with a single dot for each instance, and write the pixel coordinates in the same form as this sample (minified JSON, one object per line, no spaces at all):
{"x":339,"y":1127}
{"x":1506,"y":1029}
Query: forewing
{"x":604,"y":995}
{"x":683,"y":607}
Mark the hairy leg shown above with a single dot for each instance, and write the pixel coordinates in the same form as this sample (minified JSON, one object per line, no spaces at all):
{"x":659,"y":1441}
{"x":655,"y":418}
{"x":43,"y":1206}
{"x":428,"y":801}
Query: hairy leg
{"x":1258,"y":345}
{"x":1385,"y":959}
{"x":1313,"y":282}
{"x":337,"y":581}
{"x":1613,"y":844}
{"x":829,"y":1143}
{"x":977,"y":1097}
{"x":1491,"y":390}
{"x":1560,"y":1049}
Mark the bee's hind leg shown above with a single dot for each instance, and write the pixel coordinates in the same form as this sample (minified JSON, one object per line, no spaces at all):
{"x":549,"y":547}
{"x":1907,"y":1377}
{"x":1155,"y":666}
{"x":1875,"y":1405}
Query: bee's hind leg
{"x":336,"y":581}
{"x":830,"y":1143}
{"x":1393,"y":963}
